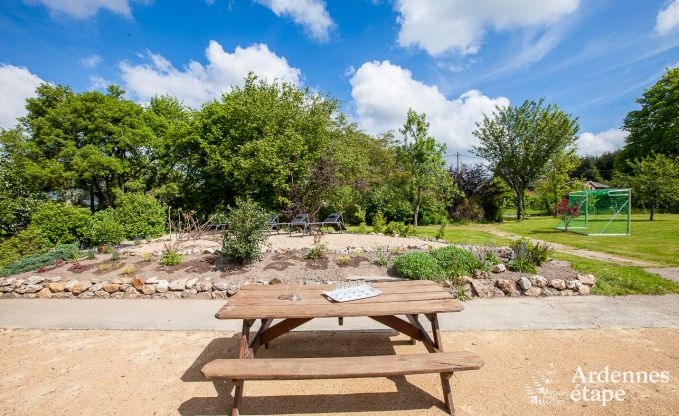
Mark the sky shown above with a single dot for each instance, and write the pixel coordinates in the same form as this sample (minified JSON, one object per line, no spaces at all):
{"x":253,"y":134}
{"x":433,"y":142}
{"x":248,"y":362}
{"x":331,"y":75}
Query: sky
{"x":454,"y":60}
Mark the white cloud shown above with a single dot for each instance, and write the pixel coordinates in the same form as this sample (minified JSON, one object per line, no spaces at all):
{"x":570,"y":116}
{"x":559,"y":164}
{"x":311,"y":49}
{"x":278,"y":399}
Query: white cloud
{"x":667,"y":20}
{"x":384,"y":92}
{"x":197,"y":83}
{"x":16,"y":84}
{"x":606,"y":141}
{"x":310,"y":14}
{"x":91,"y":61}
{"x":86,"y":8}
{"x":439,"y":26}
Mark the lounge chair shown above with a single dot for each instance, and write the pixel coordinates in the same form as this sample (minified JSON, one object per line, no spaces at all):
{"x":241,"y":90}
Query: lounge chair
{"x":300,"y":221}
{"x":333,"y":220}
{"x":273,"y":223}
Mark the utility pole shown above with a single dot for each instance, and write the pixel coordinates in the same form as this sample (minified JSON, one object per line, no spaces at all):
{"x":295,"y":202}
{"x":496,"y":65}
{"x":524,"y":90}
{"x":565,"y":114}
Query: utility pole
{"x":457,"y":165}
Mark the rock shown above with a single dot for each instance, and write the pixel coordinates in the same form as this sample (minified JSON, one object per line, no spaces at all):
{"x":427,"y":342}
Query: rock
{"x":537,"y":280}
{"x":558,"y":284}
{"x":8,"y":282}
{"x":173,"y":295}
{"x":152,"y":280}
{"x":533,"y":292}
{"x":506,"y":286}
{"x":203,"y":286}
{"x":132,"y":296}
{"x":137,"y":283}
{"x":111,"y":287}
{"x":560,"y":263}
{"x":52,"y":279}
{"x":80,"y":287}
{"x":584,"y":290}
{"x":162,"y":286}
{"x":131,"y":291}
{"x":102,"y":294}
{"x":498,"y":268}
{"x":35,"y":280}
{"x":127,"y":280}
{"x":220,"y":286}
{"x":483,"y":288}
{"x":275,"y":281}
{"x":218,"y":294}
{"x":96,"y":287}
{"x":232,"y":290}
{"x":548,"y":291}
{"x":44,"y":293}
{"x":524,"y":283}
{"x":190,"y":283}
{"x":117,"y":295}
{"x":567,"y":292}
{"x":28,"y":289}
{"x":70,"y":284}
{"x":480,"y":274}
{"x":66,"y":295}
{"x":6,"y":289}
{"x":573,"y":284}
{"x":587,"y":279}
{"x":189,"y":293}
{"x":116,"y":281}
{"x":466,"y":279}
{"x":177,"y":285}
{"x":56,"y":287}
{"x":18,"y":282}
{"x":148,"y":289}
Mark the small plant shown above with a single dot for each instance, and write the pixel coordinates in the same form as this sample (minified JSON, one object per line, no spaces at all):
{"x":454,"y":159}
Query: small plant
{"x":146,"y":257}
{"x":382,"y":259}
{"x":317,"y":251}
{"x":521,"y":264}
{"x":378,"y":222}
{"x":456,"y":262}
{"x":343,"y":260}
{"x":41,"y":270}
{"x":104,"y":228}
{"x":58,"y":262}
{"x":127,"y":270}
{"x":171,"y":258}
{"x":90,"y":255}
{"x":418,"y":266}
{"x":137,"y":242}
{"x":567,"y":212}
{"x":360,"y":215}
{"x":105,"y":266}
{"x":539,"y":252}
{"x":363,"y":228}
{"x":75,"y":267}
{"x":398,"y":250}
{"x":40,"y":260}
{"x":115,"y":255}
{"x":441,"y":232}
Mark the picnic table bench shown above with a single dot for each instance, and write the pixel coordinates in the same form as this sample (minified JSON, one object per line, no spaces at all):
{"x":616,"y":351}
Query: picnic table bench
{"x":407,"y":298}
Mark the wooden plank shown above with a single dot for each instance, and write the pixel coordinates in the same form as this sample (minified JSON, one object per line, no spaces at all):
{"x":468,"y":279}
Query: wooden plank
{"x":320,"y":299}
{"x":281,"y":328}
{"x":340,"y":367}
{"x":335,"y":310}
{"x":400,"y":286}
{"x":399,"y":325}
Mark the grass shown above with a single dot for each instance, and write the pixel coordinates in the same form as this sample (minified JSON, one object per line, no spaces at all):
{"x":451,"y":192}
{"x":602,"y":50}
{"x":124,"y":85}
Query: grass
{"x":462,"y":234}
{"x":615,"y":280}
{"x":655,"y":241}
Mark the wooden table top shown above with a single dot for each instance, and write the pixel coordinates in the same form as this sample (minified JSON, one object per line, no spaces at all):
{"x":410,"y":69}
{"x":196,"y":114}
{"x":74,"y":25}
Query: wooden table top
{"x":397,"y":298}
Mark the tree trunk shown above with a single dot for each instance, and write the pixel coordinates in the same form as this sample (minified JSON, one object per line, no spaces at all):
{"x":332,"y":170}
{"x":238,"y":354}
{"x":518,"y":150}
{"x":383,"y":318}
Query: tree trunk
{"x":91,"y":197}
{"x":519,"y":205}
{"x":417,"y":206}
{"x":556,"y":203}
{"x":652,"y":210}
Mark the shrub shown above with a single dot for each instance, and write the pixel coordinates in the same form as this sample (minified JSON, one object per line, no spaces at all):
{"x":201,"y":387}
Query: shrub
{"x":61,"y":223}
{"x":40,"y":260}
{"x":317,"y":251}
{"x":140,"y":215}
{"x":441,"y":232}
{"x":104,"y":228}
{"x":146,"y":257}
{"x":399,"y":228}
{"x":170,"y":258}
{"x":115,"y":255}
{"x":418,"y":265}
{"x":539,"y":252}
{"x":128,"y":269}
{"x":27,"y":241}
{"x":378,"y":222}
{"x":343,"y":260}
{"x":90,"y":254}
{"x":456,"y":262}
{"x":247,"y":231}
{"x":382,"y":259}
{"x":521,"y":264}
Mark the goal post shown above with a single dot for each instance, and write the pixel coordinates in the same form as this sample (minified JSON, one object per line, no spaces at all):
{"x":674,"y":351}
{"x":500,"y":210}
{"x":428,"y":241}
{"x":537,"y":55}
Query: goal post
{"x":601,"y":212}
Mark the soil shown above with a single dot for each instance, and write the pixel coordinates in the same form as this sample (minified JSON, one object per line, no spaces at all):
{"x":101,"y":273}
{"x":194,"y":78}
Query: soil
{"x":66,"y":372}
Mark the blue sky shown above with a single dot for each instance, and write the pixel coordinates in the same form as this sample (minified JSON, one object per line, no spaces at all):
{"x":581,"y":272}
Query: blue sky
{"x":453,"y":59}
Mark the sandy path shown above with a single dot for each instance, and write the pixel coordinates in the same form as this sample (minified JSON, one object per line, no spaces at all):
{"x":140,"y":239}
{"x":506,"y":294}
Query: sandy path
{"x":145,"y":373}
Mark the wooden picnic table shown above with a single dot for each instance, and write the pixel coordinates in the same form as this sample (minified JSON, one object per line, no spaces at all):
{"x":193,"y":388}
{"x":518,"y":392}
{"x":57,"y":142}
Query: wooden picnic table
{"x":403,"y":298}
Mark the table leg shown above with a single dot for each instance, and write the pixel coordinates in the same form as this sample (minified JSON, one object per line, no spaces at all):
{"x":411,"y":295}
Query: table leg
{"x":445,"y":378}
{"x":244,"y":341}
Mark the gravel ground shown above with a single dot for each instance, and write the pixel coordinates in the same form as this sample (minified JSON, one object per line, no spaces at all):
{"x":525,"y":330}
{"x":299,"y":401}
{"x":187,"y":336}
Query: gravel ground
{"x":49,"y":372}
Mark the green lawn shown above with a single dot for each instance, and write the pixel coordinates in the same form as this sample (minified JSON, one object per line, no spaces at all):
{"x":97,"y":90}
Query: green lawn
{"x":656,"y":241}
{"x":456,"y":234}
{"x":614,"y":279}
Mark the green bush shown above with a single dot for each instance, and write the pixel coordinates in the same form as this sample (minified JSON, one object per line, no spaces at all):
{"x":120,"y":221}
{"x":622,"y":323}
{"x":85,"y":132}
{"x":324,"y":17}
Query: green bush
{"x":170,"y":258}
{"x":61,"y":223}
{"x":27,"y":241}
{"x":539,"y":252}
{"x":441,"y":232}
{"x":105,"y":229}
{"x":399,"y":228}
{"x":522,"y":264}
{"x":317,"y":251}
{"x":418,"y":265}
{"x":382,"y":259}
{"x":378,"y":222}
{"x":456,"y":262}
{"x":140,"y":215}
{"x":35,"y":261}
{"x":246,"y":232}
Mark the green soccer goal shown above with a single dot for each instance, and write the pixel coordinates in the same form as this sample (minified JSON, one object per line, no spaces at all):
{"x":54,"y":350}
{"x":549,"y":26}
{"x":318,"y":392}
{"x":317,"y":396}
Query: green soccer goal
{"x":601,"y":212}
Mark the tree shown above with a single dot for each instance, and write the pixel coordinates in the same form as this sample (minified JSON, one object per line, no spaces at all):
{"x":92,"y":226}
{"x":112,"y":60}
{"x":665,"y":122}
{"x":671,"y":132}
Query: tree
{"x":655,"y":127}
{"x":422,"y":156}
{"x":557,"y":175}
{"x":520,"y":141}
{"x":654,"y":181}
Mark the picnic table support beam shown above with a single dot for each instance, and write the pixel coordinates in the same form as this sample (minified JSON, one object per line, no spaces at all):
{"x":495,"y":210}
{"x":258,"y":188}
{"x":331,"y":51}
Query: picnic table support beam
{"x":281,"y":328}
{"x":238,"y":390}
{"x":445,"y":378}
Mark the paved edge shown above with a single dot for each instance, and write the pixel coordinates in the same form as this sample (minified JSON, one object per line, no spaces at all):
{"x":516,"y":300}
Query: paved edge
{"x":511,"y":314}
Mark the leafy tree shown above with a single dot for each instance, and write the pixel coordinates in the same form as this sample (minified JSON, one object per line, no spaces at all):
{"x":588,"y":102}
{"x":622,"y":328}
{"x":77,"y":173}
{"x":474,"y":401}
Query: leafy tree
{"x":422,"y":156}
{"x":655,"y":127}
{"x":557,"y":175}
{"x":247,"y":231}
{"x":654,"y":180}
{"x":520,"y":141}
{"x":18,"y":201}
{"x":140,"y":215}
